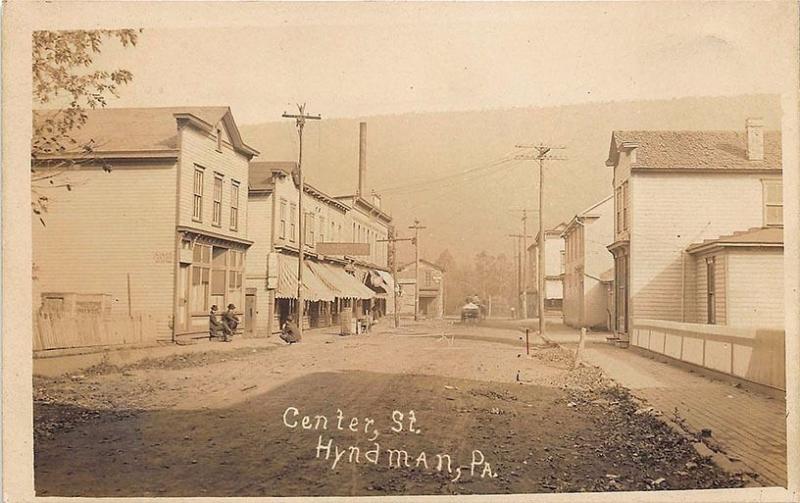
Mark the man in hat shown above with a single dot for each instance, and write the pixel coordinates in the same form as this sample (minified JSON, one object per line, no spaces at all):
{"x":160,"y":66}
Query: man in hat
{"x":231,"y":321}
{"x":289,"y":332}
{"x":215,"y":327}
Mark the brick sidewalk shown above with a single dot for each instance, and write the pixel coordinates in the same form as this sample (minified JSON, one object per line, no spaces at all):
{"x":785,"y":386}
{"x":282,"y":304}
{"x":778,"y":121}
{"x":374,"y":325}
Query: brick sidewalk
{"x":748,"y":426}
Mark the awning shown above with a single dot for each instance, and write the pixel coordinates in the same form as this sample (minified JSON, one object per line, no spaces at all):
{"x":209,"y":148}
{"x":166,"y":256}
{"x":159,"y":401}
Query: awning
{"x":376,"y":282}
{"x":382,"y":280}
{"x":314,"y":289}
{"x":344,"y":285}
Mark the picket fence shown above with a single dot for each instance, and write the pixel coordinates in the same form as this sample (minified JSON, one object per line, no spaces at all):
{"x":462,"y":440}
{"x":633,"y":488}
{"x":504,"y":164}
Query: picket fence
{"x":62,"y":331}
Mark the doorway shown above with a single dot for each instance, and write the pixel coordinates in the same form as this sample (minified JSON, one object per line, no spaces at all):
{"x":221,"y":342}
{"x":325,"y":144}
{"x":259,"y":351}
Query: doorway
{"x":250,"y":313}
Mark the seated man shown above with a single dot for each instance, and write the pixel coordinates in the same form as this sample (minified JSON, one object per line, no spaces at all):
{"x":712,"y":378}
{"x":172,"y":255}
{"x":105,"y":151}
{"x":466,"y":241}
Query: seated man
{"x":215,"y":327}
{"x":230,"y":322}
{"x":289,"y":331}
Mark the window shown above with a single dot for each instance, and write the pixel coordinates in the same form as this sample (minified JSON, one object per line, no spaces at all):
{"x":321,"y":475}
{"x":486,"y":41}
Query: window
{"x":216,"y":217}
{"x":428,"y":278}
{"x":773,"y":202}
{"x":234,"y":205}
{"x":235,"y":270}
{"x":219,"y":139}
{"x":563,"y":262}
{"x":621,"y":206}
{"x":321,"y":236}
{"x":282,"y":229}
{"x":197,"y":205}
{"x":292,"y":222}
{"x":201,"y":276}
{"x":310,"y":228}
{"x":625,"y":216}
{"x":333,"y":231}
{"x":711,"y":306}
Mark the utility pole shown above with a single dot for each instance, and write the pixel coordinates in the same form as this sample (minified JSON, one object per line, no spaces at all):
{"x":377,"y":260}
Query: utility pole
{"x":521,"y":282}
{"x":393,"y":243}
{"x":523,"y":265}
{"x":300,"y":122}
{"x":541,"y":155}
{"x":416,"y":227}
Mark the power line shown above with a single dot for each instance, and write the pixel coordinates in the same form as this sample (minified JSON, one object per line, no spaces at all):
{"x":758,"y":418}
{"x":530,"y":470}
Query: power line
{"x":543,"y":152}
{"x":483,"y":166}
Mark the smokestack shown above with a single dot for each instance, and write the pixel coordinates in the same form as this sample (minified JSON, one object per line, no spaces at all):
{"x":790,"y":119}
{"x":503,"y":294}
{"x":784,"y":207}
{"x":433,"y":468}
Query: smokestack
{"x":755,"y":139}
{"x":362,"y":158}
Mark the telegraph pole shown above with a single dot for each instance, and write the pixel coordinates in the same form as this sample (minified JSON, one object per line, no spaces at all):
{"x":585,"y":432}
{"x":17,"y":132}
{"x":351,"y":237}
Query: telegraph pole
{"x":393,"y":243}
{"x":521,"y":281}
{"x":416,"y":227}
{"x":541,"y":155}
{"x":523,"y":265}
{"x":300,"y":122}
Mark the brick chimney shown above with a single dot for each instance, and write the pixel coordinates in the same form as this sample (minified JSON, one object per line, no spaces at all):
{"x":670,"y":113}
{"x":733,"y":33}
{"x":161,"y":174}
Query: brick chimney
{"x":362,"y":159}
{"x":755,"y":139}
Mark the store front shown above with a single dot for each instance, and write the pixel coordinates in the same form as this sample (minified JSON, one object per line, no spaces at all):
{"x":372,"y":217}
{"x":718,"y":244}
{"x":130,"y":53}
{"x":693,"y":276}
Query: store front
{"x":210,"y":272}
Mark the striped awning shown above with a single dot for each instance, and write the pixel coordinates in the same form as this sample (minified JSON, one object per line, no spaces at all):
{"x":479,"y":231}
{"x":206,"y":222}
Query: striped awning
{"x":314,"y":288}
{"x":345,"y":285}
{"x":388,"y":281}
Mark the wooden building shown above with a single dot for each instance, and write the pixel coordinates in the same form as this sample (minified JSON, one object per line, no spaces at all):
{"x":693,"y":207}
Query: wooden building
{"x":676,"y":188}
{"x":164,"y":233}
{"x":589,"y":267}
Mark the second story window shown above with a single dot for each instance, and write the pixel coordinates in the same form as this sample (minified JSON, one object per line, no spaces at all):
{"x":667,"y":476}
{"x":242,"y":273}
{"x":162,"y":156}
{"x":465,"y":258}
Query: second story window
{"x":216,"y":217}
{"x":321,"y":229}
{"x":621,"y":204}
{"x":773,"y":202}
{"x":234,"y":205}
{"x":310,"y":228}
{"x":292,"y":222}
{"x":284,"y":211}
{"x":197,"y":202}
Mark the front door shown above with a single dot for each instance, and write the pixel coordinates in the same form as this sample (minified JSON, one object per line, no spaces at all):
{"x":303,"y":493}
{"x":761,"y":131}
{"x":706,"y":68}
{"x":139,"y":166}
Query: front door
{"x":249,"y":313}
{"x":182,"y":321}
{"x":621,"y":297}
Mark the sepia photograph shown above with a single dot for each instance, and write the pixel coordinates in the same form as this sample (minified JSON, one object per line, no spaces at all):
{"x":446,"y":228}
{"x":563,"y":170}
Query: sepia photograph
{"x":401,"y":249}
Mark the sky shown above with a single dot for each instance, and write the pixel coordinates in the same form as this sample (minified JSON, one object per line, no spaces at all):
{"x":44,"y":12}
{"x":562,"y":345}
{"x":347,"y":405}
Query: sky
{"x":430,"y":66}
{"x":356,"y":60}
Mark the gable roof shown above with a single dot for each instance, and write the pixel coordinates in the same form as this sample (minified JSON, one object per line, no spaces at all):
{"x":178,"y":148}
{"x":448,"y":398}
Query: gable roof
{"x":587,"y":213}
{"x":147,"y":130}
{"x":757,"y":237}
{"x":260,"y":177}
{"x":694,"y":150}
{"x":421,"y":261}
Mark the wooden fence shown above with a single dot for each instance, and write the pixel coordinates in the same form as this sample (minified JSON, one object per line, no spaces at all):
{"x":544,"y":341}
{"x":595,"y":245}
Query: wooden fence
{"x":753,"y":354}
{"x":59,"y":331}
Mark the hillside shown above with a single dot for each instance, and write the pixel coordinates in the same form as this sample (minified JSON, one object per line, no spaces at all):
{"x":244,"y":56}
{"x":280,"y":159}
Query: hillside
{"x":470,"y":212}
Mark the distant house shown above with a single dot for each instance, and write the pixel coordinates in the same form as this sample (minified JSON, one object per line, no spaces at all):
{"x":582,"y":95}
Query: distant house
{"x":589,"y":267}
{"x":554,"y":256}
{"x":738,"y":279}
{"x":165,"y":233}
{"x":431,"y":289}
{"x":673,"y":189}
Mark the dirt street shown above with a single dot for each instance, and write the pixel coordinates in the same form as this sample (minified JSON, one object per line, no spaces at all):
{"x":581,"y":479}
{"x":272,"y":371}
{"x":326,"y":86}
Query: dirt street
{"x":430,"y":409}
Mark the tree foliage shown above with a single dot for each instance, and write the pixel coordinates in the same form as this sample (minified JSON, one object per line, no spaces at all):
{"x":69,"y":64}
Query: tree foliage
{"x":63,"y":75}
{"x":485,"y":276}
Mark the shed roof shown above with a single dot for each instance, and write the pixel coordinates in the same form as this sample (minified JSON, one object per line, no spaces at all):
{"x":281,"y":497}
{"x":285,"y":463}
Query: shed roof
{"x":756,"y":236}
{"x":691,"y":150}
